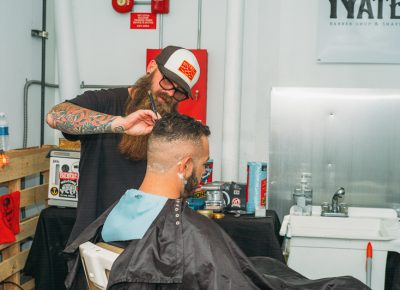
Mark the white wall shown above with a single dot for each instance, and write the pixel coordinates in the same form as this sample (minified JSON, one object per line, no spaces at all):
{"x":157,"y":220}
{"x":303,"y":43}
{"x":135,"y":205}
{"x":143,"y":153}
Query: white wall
{"x":20,"y":59}
{"x":279,"y":49}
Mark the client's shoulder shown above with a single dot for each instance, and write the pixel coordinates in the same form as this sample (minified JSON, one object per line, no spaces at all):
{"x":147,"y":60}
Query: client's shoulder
{"x":200,"y":222}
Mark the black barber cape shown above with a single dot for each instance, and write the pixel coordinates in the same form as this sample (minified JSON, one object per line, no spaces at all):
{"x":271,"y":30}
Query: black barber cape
{"x":185,"y":250}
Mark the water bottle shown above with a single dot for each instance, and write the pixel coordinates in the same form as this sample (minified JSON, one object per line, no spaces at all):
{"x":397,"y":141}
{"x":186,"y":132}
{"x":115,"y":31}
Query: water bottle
{"x":303,"y":194}
{"x":3,"y":132}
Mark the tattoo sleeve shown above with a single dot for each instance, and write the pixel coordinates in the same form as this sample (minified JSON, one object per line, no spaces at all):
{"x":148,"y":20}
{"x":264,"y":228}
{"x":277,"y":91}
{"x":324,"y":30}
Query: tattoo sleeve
{"x":72,"y":119}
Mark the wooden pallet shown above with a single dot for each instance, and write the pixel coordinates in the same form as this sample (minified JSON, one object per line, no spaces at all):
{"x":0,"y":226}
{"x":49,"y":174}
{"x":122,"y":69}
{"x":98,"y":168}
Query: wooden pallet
{"x":23,"y":163}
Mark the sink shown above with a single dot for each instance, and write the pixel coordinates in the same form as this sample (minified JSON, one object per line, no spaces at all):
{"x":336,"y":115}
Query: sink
{"x":362,"y":223}
{"x":371,"y":212}
{"x":322,"y":246}
{"x":344,"y":228}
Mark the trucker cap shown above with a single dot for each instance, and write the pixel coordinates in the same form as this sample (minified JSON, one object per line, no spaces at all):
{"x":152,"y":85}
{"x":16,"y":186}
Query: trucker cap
{"x":180,"y":66}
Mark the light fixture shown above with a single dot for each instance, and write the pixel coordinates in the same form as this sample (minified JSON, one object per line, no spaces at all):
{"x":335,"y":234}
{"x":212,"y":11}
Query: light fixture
{"x":4,"y":160}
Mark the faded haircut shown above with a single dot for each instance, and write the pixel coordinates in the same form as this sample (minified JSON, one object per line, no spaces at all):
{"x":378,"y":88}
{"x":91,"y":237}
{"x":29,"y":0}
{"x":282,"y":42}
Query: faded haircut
{"x":176,"y":127}
{"x":166,"y":144}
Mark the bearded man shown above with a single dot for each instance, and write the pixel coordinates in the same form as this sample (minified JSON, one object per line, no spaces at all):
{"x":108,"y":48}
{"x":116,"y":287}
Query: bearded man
{"x":112,"y":126}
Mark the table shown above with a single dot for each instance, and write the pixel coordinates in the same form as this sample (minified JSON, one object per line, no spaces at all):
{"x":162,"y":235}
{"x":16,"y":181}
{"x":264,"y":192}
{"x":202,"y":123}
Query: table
{"x":255,"y":236}
{"x":44,"y":262}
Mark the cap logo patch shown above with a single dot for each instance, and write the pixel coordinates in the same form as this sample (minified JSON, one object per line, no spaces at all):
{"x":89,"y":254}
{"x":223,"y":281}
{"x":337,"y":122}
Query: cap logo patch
{"x":188,"y":70}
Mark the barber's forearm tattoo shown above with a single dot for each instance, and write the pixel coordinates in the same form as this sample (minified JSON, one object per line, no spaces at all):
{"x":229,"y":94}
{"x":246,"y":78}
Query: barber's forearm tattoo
{"x":72,"y":119}
{"x":119,"y":129}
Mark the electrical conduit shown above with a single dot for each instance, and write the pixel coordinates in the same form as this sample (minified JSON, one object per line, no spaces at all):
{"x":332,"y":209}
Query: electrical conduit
{"x":232,"y":90}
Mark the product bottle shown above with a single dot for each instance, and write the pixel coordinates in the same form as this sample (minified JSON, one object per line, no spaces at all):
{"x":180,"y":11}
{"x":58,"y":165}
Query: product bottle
{"x":286,"y":240}
{"x":286,"y":248}
{"x":256,"y":188}
{"x":3,"y":132}
{"x":303,"y":194}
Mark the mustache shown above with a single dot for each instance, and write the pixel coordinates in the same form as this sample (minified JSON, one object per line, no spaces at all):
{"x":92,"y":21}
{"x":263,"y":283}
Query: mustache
{"x":167,"y":100}
{"x":164,"y":103}
{"x":164,"y":96}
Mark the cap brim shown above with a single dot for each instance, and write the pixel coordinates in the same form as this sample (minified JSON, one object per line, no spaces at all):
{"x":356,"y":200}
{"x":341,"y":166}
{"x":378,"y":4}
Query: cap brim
{"x":176,"y":79}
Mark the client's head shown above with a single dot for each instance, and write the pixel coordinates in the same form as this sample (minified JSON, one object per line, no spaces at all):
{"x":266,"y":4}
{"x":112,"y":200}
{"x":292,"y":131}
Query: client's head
{"x":178,"y":149}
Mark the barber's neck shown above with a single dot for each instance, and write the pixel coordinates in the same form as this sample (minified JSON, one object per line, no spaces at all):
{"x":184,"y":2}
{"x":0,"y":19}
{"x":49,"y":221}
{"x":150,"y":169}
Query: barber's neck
{"x":166,"y":185}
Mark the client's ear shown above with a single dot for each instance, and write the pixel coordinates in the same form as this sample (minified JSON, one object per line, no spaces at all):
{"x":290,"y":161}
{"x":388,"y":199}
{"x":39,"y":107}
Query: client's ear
{"x":186,"y":166}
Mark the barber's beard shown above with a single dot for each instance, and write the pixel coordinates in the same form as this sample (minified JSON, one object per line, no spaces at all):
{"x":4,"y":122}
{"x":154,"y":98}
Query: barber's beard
{"x":135,"y":147}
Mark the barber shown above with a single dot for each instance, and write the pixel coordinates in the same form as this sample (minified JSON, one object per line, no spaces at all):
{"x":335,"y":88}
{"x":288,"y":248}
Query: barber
{"x":113,"y":126}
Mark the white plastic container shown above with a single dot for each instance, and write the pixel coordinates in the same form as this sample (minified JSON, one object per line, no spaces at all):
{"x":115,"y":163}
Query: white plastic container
{"x":303,"y":193}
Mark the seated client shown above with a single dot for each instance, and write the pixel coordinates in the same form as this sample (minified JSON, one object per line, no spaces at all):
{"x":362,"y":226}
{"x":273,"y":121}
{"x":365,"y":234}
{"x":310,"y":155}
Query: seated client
{"x":168,"y":245}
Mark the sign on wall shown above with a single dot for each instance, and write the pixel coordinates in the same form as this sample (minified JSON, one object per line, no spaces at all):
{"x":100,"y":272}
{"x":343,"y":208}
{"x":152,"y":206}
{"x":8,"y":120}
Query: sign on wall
{"x":359,"y":31}
{"x":143,"y":20}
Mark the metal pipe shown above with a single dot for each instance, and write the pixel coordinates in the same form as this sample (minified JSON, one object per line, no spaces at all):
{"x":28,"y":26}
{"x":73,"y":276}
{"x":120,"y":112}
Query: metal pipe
{"x":199,"y":9}
{"x":160,"y":30}
{"x":26,"y":87}
{"x":43,"y":77}
{"x":83,"y":86}
{"x":28,"y":83}
{"x":142,"y":2}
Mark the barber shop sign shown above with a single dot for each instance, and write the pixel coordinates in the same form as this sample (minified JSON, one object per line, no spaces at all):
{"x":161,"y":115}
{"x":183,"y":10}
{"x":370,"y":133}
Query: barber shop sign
{"x":359,"y":31}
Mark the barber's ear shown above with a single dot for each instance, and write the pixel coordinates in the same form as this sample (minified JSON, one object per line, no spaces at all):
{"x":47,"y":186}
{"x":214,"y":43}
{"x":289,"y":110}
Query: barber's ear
{"x":151,"y":66}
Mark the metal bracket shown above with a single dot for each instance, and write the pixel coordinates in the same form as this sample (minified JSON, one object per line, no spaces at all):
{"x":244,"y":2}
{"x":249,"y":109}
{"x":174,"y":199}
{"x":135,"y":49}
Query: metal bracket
{"x":39,"y":33}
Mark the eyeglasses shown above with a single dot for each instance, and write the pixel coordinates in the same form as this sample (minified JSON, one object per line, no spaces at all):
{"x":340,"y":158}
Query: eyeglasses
{"x":168,"y":85}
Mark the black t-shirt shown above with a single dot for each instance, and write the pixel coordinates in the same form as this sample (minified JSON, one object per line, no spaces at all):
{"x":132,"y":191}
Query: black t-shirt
{"x":104,"y":173}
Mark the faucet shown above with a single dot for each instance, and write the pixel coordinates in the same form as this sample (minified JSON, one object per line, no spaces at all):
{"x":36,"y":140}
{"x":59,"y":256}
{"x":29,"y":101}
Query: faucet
{"x":335,"y":209}
{"x":338,"y":194}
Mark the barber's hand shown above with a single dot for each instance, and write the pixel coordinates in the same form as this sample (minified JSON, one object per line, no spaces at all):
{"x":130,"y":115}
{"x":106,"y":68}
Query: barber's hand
{"x":140,"y":122}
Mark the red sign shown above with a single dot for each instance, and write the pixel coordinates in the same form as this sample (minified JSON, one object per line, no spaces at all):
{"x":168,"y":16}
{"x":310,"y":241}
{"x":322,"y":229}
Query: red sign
{"x":143,"y":20}
{"x":69,"y":175}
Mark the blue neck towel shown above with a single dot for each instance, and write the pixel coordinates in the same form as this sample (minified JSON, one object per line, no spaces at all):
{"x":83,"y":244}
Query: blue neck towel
{"x":132,"y":216}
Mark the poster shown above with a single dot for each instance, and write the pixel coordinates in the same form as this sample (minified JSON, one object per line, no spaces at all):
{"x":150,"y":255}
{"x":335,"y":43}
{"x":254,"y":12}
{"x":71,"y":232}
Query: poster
{"x":359,"y":31}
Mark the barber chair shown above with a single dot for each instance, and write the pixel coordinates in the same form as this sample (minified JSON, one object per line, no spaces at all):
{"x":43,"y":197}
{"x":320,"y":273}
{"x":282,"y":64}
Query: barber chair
{"x":97,"y":260}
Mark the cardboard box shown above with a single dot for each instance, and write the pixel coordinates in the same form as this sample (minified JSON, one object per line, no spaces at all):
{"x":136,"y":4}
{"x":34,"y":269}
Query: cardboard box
{"x":63,"y":178}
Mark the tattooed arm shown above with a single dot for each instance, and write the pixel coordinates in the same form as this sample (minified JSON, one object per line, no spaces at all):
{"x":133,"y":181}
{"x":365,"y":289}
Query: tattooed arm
{"x":73,"y":119}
